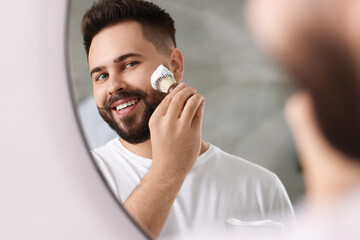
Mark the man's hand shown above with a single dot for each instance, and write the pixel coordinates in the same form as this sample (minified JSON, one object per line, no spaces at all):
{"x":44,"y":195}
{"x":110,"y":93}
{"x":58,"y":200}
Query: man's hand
{"x":175,"y":129}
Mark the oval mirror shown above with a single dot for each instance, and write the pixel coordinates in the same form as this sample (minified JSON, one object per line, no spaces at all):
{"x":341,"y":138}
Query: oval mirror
{"x":244,"y":92}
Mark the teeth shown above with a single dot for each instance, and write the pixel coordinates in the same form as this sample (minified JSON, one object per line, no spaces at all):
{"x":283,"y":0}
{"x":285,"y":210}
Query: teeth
{"x":125,"y":105}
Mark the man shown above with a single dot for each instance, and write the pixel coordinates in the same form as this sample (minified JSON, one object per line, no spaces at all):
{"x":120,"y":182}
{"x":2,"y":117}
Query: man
{"x":168,"y":179}
{"x":320,"y":51}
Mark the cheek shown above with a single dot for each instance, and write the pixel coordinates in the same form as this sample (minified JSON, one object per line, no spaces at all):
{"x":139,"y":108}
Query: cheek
{"x":155,"y":97}
{"x":269,"y":20}
{"x":141,"y":80}
{"x":99,"y":96}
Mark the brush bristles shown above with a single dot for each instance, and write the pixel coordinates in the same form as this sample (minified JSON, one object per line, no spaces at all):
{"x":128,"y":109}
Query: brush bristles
{"x":162,"y":78}
{"x":163,"y":83}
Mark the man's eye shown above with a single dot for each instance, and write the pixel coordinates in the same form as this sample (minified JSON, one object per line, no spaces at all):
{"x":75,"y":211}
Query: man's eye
{"x":130,"y":65}
{"x":101,"y":77}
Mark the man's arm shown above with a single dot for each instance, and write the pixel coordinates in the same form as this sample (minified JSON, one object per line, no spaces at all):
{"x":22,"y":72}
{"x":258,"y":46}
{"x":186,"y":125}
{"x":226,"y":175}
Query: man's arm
{"x":175,"y":128}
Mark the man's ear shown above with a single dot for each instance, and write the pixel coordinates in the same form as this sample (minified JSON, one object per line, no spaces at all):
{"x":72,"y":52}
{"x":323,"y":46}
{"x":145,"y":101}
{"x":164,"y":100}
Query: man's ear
{"x":177,"y":64}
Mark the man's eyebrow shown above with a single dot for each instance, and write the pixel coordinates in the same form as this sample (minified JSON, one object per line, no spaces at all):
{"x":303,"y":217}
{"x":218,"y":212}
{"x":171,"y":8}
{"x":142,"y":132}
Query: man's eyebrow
{"x":97,"y":69}
{"x":116,"y":60}
{"x":125,"y":56}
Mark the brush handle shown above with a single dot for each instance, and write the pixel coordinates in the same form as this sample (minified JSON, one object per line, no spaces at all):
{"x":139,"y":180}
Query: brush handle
{"x":172,"y":87}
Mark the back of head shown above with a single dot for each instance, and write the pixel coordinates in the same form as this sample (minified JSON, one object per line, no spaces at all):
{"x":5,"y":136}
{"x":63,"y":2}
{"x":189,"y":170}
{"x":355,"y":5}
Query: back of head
{"x":157,"y":25}
{"x":315,"y":41}
{"x":326,"y":68}
{"x":323,"y":63}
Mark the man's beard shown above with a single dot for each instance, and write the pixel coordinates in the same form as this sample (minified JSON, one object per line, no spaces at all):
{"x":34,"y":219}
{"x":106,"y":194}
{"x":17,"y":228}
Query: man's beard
{"x":131,"y":130}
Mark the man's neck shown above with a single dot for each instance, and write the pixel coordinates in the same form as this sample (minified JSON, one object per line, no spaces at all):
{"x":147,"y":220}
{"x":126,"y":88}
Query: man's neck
{"x":144,"y":149}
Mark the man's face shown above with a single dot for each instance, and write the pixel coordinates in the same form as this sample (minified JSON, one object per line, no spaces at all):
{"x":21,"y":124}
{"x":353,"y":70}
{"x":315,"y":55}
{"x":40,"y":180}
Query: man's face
{"x":275,"y":24}
{"x":121,"y":62}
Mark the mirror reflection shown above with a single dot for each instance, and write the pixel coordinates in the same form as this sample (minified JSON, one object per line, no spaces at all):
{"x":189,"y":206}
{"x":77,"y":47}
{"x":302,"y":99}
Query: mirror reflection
{"x":182,"y":172}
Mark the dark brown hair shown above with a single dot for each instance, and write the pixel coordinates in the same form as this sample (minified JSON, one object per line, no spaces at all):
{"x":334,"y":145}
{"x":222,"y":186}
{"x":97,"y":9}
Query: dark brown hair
{"x":325,"y":66}
{"x":157,"y":25}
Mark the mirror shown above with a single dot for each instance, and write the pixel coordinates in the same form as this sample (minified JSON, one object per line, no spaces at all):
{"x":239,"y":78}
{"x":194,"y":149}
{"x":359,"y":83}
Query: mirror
{"x":244,"y":92}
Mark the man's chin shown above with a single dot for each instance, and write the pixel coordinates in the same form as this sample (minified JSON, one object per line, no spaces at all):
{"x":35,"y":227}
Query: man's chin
{"x":133,"y":132}
{"x":135,"y":138}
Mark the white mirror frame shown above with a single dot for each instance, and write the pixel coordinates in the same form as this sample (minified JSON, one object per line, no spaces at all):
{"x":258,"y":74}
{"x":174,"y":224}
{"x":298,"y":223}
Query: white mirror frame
{"x":50,"y":188}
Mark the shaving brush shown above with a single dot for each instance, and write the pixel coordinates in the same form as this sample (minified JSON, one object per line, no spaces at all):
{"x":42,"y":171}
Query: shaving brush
{"x":163,"y":80}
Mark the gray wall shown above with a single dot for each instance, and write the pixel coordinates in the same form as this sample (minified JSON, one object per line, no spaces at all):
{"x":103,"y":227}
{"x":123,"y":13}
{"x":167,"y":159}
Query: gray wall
{"x":244,"y":92}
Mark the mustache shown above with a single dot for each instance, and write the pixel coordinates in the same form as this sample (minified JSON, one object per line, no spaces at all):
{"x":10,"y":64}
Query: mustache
{"x":121,"y":95}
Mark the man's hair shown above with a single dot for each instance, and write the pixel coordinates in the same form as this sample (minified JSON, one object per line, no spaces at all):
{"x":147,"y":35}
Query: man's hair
{"x":326,"y":67}
{"x":157,"y":25}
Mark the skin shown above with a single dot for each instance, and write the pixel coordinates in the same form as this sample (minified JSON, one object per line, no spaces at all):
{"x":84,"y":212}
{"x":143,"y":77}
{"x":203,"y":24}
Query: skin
{"x":175,"y":126}
{"x":328,"y":172}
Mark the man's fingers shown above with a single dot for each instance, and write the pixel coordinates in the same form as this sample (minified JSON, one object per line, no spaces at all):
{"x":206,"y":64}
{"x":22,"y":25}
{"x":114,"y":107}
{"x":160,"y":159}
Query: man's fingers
{"x":197,"y":120}
{"x":164,"y":105}
{"x":178,"y":102}
{"x":191,"y":107}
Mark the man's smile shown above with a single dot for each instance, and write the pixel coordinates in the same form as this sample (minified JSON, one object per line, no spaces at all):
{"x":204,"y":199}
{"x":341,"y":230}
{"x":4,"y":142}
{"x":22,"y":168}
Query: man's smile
{"x":125,"y":106}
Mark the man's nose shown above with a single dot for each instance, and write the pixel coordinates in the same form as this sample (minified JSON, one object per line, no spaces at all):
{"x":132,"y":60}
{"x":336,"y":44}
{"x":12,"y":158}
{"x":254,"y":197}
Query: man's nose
{"x":116,"y":84}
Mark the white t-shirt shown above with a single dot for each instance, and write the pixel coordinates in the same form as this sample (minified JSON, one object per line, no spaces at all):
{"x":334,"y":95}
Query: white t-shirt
{"x":219,"y":187}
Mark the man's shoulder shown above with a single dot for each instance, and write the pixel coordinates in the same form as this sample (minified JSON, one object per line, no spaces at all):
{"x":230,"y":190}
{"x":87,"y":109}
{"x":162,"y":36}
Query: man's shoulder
{"x":106,"y":149}
{"x":114,"y":154}
{"x":239,"y":166}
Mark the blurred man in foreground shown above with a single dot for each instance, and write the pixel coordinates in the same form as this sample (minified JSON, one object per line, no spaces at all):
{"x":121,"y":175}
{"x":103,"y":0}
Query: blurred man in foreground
{"x":317,"y":43}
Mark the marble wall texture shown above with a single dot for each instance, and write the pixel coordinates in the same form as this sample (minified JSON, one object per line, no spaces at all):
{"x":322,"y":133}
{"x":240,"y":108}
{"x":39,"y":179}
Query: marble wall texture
{"x":244,"y":91}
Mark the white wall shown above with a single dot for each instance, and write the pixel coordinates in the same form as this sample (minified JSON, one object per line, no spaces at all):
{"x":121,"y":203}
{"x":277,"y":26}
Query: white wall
{"x":49,"y":186}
